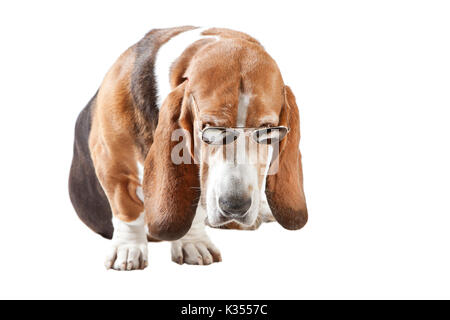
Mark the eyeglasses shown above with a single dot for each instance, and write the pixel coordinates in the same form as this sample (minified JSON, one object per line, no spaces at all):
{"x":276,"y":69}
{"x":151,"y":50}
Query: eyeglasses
{"x":222,"y":136}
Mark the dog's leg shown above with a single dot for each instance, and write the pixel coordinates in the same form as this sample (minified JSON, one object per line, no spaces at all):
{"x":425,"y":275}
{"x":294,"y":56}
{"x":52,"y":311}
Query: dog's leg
{"x":195,"y":247}
{"x":115,"y":162}
{"x":129,"y":246}
{"x":129,"y":243}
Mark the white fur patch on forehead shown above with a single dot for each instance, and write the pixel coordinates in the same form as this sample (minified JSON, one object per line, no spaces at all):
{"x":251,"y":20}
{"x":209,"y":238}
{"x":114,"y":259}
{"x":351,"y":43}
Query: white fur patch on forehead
{"x":244,"y":101}
{"x":168,"y":53}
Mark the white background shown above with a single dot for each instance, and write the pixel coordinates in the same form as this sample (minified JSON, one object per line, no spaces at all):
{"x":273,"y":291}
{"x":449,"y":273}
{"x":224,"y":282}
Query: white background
{"x":372,"y":80}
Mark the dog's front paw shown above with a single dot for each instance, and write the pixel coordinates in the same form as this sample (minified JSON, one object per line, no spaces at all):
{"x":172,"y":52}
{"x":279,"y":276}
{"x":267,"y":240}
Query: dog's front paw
{"x":127,"y":257}
{"x":198,"y":252}
{"x":129,"y":247}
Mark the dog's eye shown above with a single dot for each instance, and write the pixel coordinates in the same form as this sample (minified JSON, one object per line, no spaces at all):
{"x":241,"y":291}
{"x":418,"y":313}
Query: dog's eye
{"x":219,"y":136}
{"x":270,"y":135}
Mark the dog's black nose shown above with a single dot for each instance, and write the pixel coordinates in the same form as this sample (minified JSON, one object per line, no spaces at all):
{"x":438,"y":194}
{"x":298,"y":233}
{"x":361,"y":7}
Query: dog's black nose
{"x":234,"y":206}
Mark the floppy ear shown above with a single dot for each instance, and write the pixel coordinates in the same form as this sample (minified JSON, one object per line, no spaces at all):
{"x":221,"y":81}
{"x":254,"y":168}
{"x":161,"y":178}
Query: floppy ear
{"x":171,"y":191}
{"x":284,"y":189}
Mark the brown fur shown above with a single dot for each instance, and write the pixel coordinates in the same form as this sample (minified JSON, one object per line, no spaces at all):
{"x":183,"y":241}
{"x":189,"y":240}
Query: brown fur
{"x":170,"y":190}
{"x":112,"y":142}
{"x":284,"y":190}
{"x":124,"y":132}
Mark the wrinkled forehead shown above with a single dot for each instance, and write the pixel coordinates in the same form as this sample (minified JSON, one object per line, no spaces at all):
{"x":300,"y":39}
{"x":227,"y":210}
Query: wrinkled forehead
{"x":245,"y":109}
{"x":243,"y":90}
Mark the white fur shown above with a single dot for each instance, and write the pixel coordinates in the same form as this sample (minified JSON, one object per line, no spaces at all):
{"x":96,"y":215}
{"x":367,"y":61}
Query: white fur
{"x":265,"y":210}
{"x":266,"y":171}
{"x":139,"y":191}
{"x":244,"y":101}
{"x":129,"y":245}
{"x":167,"y":54}
{"x":140,"y":171}
{"x":222,"y":174}
{"x":195,"y":247}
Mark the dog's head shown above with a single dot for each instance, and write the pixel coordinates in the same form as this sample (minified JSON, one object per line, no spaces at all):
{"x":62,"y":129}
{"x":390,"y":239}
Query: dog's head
{"x":227,"y":137}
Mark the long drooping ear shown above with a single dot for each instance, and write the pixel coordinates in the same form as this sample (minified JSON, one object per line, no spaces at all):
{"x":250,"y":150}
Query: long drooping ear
{"x":171,"y":187}
{"x":284,"y":189}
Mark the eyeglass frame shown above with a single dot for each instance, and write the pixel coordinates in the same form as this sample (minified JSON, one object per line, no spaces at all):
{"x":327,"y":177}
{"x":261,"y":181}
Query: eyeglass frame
{"x":202,"y":131}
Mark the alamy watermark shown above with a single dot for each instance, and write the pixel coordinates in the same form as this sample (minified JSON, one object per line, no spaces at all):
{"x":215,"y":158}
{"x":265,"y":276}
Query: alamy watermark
{"x":242,"y":151}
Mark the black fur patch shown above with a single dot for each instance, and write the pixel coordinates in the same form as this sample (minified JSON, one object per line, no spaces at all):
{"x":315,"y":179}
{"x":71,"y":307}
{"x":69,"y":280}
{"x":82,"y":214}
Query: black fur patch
{"x":144,"y":90}
{"x":143,"y":84}
{"x":86,"y":193}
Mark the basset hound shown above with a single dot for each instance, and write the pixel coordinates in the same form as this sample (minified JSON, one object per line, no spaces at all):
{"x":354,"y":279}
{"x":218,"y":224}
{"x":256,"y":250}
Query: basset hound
{"x":190,"y":127}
